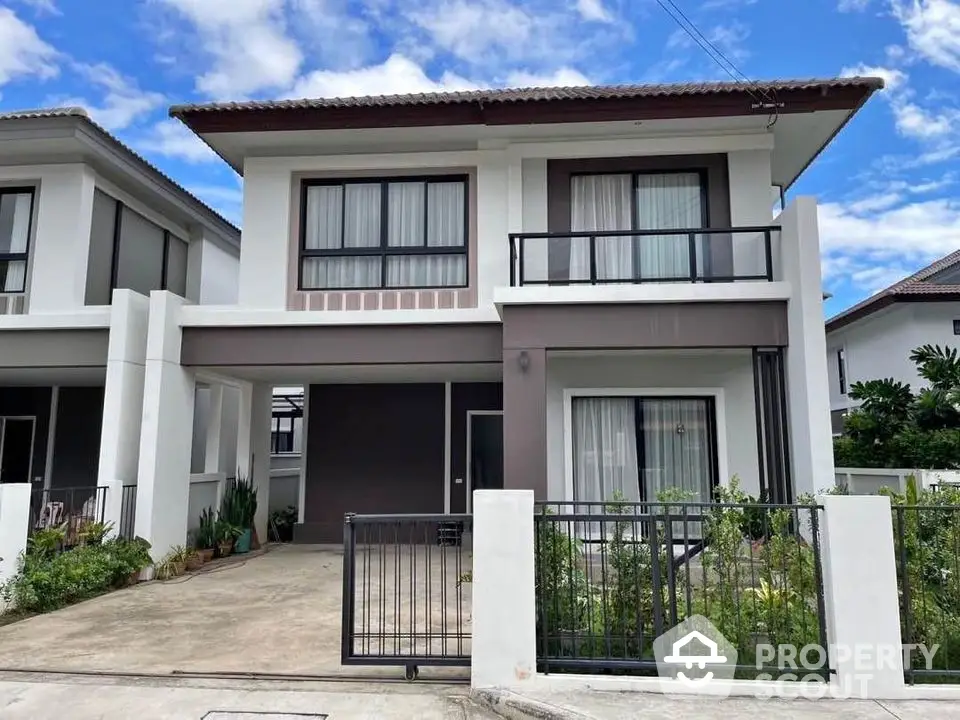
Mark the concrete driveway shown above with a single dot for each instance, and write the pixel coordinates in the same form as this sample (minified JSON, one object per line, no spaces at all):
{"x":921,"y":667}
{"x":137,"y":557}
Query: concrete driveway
{"x":279,"y":612}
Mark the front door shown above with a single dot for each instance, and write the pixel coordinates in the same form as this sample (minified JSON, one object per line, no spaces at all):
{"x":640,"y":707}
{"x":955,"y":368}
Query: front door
{"x":16,"y":449}
{"x":484,"y":452}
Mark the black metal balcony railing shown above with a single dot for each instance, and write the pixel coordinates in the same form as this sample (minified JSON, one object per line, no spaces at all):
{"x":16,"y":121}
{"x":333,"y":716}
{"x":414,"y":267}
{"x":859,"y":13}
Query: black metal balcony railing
{"x":642,"y":256}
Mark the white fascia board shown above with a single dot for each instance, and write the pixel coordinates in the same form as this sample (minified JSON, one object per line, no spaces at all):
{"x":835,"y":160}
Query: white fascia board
{"x":233,"y":316}
{"x":650,"y":293}
{"x":379,"y":161}
{"x":95,"y":317}
{"x":666,"y":145}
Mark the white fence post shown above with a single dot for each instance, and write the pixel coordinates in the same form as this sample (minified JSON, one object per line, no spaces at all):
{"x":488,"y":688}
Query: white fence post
{"x":504,"y":652}
{"x":860,"y":595}
{"x":14,"y":523}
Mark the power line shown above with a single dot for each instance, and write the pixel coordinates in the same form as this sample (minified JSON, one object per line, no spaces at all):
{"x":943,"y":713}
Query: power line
{"x":769,"y":99}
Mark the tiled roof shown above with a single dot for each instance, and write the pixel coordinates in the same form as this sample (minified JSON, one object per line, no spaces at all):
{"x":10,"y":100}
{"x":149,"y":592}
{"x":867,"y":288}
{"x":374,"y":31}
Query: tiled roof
{"x":81,"y":114}
{"x":536,"y":94}
{"x":918,"y":284}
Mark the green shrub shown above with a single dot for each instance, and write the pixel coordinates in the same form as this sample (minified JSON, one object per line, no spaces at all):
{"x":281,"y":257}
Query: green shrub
{"x":47,"y":581}
{"x":238,"y":505}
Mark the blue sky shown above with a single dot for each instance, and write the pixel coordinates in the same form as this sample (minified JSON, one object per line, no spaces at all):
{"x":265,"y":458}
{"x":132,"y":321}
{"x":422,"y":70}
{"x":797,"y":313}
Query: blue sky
{"x":888,"y":186}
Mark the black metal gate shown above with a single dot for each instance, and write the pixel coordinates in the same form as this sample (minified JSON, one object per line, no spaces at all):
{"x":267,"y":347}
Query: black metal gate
{"x":406,"y":590}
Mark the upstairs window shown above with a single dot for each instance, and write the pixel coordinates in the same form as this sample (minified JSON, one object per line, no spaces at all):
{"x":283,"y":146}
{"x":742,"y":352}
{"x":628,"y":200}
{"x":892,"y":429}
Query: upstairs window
{"x":128,"y":251}
{"x":842,"y":370}
{"x":373,"y":234}
{"x":16,"y":210}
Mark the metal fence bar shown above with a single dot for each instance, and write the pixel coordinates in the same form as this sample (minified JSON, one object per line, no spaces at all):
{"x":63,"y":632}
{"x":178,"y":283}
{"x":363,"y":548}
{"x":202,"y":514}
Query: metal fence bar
{"x":614,"y":576}
{"x":68,"y":509}
{"x":128,"y":511}
{"x":927,"y":539}
{"x":406,"y":598}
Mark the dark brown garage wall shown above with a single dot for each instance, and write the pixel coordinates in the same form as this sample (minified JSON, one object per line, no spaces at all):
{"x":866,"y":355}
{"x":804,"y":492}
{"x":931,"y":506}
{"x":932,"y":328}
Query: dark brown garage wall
{"x":464,"y":397}
{"x":371,"y":449}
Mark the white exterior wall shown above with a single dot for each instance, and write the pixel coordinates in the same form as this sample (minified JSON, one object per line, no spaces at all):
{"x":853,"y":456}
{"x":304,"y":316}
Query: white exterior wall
{"x":750,"y":181}
{"x":264,"y":249}
{"x":730,"y":374}
{"x":879,"y":346}
{"x":219,"y":273}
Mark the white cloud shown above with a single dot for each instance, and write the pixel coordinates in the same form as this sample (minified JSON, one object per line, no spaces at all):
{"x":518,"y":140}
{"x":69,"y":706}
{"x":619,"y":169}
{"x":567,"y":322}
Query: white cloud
{"x":916,"y":122}
{"x":123,"y":101}
{"x":872,"y":203}
{"x":852,"y":5}
{"x":396,"y":75}
{"x":333,"y":31}
{"x":248,"y":42}
{"x":43,"y":7}
{"x":562,"y":77}
{"x":726,"y":4}
{"x":171,"y":138}
{"x":892,"y":77}
{"x":593,"y":10}
{"x":932,"y":28}
{"x":729,"y":38}
{"x":22,"y":52}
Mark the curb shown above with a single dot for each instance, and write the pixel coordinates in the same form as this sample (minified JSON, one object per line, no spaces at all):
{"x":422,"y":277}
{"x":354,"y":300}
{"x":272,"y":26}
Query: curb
{"x":517,"y":707}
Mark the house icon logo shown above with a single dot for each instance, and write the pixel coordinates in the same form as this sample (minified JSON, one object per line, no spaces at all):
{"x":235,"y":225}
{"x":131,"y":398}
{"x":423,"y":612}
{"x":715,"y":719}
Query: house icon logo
{"x":695,"y":658}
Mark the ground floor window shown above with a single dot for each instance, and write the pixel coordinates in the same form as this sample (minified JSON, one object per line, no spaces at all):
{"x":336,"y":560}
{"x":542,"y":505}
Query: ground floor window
{"x":638,"y":446}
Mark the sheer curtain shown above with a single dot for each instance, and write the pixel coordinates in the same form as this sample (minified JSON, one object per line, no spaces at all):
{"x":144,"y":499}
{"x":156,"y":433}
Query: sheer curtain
{"x":601,"y":202}
{"x":440,"y":206}
{"x":604,"y":449}
{"x":676,"y":447}
{"x":348,"y":213}
{"x":16,"y":274}
{"x":667,"y":201}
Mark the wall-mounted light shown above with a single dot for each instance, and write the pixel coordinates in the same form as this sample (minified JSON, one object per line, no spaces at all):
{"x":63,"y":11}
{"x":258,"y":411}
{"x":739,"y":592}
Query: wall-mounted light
{"x":523,"y":360}
{"x":680,"y":429}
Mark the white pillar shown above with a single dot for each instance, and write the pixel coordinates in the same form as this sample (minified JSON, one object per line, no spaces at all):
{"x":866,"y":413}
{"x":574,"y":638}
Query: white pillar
{"x":123,"y":399}
{"x":808,"y":394}
{"x":504,"y":652}
{"x":749,"y":171}
{"x":860,"y":594}
{"x":493,"y":195}
{"x":163,"y":486}
{"x":14,"y":521}
{"x":253,"y":446}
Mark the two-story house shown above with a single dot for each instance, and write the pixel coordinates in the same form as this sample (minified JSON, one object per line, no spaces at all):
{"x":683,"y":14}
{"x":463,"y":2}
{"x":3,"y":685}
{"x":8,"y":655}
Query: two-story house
{"x":582,"y":291}
{"x":88,"y":229}
{"x":873,"y":339}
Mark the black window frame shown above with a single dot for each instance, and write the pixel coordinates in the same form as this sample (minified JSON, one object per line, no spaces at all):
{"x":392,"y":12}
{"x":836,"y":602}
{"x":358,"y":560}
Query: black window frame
{"x":384,"y":250}
{"x":712,"y":433}
{"x":115,"y":256}
{"x":842,"y":370}
{"x":281,"y":437}
{"x":23,"y":257}
{"x":956,"y":327}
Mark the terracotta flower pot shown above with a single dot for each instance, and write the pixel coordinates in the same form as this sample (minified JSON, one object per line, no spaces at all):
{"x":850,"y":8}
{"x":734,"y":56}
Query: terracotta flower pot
{"x":205,"y":555}
{"x":195,"y":562}
{"x":178,"y":568}
{"x":225,"y":548}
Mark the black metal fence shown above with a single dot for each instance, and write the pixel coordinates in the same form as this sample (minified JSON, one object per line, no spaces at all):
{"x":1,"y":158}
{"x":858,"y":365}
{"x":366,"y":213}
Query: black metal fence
{"x":406,"y":590}
{"x":69,"y":508}
{"x":927,"y":541}
{"x":128,"y":511}
{"x":613,"y":577}
{"x":617,"y":256}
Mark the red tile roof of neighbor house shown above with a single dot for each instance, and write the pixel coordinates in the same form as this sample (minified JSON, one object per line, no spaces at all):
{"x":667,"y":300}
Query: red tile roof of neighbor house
{"x":917,"y":287}
{"x":81,"y":114}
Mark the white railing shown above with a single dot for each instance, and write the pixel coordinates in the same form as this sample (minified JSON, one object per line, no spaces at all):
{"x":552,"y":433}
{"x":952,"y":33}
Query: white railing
{"x":869,"y":481}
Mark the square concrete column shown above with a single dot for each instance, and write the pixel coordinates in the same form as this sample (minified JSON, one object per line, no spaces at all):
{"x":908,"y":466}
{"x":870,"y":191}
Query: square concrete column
{"x":163,"y":487}
{"x":14,"y":522}
{"x":525,"y":420}
{"x":504,"y":650}
{"x":808,"y":395}
{"x":123,"y":399}
{"x":253,"y":446}
{"x":861,"y":596}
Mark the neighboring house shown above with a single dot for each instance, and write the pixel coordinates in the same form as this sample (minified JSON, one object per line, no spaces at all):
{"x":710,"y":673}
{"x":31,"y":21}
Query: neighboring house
{"x":580,"y":291}
{"x":88,"y":229}
{"x":874,"y":338}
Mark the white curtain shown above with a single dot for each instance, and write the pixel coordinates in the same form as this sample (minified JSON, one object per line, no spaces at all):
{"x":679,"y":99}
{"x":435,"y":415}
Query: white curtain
{"x":604,"y":449}
{"x":601,"y":202}
{"x":444,"y":228}
{"x":667,"y":201}
{"x":676,"y":447}
{"x":350,"y":213}
{"x":19,"y":236}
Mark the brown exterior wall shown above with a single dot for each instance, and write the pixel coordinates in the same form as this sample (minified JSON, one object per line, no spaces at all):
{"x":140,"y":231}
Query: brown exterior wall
{"x":381,"y":299}
{"x":525,"y":420}
{"x":464,"y":397}
{"x":371,"y":449}
{"x":645,"y":325}
{"x":342,"y":345}
{"x":53,"y":348}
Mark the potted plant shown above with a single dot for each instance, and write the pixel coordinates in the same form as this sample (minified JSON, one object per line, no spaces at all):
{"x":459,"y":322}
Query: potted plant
{"x":226,"y":535}
{"x":173,"y":564}
{"x":206,"y":536}
{"x":281,"y":524}
{"x":239,"y":507}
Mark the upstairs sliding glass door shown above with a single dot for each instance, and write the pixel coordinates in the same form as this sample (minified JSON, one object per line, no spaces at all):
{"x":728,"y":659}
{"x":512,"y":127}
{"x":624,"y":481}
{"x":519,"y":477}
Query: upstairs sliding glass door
{"x":635,"y":201}
{"x":637,"y":447}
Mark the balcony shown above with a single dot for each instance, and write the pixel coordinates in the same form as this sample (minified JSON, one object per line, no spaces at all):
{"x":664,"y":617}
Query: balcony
{"x":695,"y":255}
